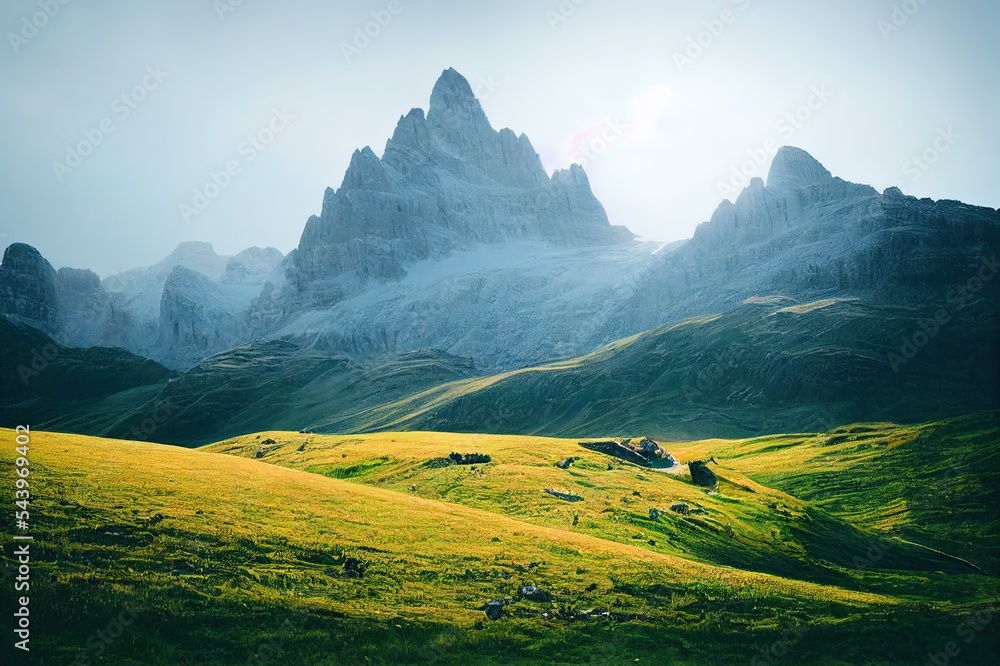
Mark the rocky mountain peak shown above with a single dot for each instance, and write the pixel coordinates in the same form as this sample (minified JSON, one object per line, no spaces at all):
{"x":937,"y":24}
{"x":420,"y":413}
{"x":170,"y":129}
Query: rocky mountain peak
{"x":794,"y":168}
{"x":366,"y":172}
{"x":197,"y":255}
{"x":252,"y":266}
{"x":28,"y":287}
{"x":452,"y":93}
{"x":446,"y":181}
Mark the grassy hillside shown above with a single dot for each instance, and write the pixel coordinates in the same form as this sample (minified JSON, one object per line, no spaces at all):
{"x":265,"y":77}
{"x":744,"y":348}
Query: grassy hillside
{"x":746,"y":524}
{"x":43,"y":381}
{"x":264,"y":385}
{"x":768,"y":366}
{"x":225,"y":559}
{"x":936,"y":484}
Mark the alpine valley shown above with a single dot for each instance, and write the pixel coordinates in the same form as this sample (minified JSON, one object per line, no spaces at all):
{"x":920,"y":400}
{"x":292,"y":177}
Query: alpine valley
{"x":470,"y":420}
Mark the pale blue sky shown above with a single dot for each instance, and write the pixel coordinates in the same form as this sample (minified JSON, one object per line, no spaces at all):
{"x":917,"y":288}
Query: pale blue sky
{"x":560,"y":83}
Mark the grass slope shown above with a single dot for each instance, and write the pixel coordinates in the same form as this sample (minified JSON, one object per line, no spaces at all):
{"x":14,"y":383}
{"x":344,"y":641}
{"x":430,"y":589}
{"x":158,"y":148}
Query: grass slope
{"x":226,"y":559}
{"x":937,"y":484}
{"x":42,"y":381}
{"x":264,"y":385}
{"x":768,"y":366}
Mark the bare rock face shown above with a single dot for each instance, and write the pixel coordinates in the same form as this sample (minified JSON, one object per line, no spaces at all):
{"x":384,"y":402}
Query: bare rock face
{"x":809,"y":235}
{"x":199,"y":318}
{"x":84,"y":308}
{"x":253,"y":266}
{"x":701,"y":475}
{"x":446,"y":181}
{"x":28,"y":288}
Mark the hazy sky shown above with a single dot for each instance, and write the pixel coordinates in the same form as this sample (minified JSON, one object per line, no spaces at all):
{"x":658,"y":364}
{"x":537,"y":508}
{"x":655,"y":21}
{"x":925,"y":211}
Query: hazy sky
{"x":565,"y":73}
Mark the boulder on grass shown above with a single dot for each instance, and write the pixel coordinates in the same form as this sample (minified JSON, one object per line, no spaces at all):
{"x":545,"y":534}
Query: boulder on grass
{"x":681,"y":508}
{"x":533,"y":593}
{"x":565,"y":462}
{"x":701,"y":475}
{"x":494,"y":610}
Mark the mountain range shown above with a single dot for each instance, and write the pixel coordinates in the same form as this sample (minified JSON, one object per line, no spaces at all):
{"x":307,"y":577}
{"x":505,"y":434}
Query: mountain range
{"x":454,"y":259}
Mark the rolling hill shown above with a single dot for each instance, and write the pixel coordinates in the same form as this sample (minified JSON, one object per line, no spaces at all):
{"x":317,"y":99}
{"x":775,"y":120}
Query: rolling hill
{"x":769,"y":366}
{"x":42,"y":380}
{"x":375,"y":557}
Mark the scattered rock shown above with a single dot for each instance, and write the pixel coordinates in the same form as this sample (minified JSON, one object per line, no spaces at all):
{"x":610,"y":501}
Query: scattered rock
{"x":470,"y":458}
{"x":701,"y":475}
{"x":644,"y":452}
{"x":494,"y":610}
{"x":566,"y":462}
{"x":681,"y":508}
{"x":353,"y":568}
{"x":533,"y":593}
{"x":302,"y":448}
{"x":566,"y":497}
{"x":268,"y":442}
{"x":654,"y":514}
{"x":259,"y":454}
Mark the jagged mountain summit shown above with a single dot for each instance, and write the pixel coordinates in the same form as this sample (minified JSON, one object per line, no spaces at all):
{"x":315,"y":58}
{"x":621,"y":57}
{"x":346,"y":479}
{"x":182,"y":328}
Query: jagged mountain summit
{"x":456,"y":239}
{"x":446,"y":181}
{"x":809,"y":235}
{"x":177,"y":321}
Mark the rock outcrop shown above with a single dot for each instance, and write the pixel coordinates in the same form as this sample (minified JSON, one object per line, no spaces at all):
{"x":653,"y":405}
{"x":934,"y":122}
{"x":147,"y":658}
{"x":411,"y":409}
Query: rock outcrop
{"x":446,"y":181}
{"x":28,"y":288}
{"x":84,"y":308}
{"x":199,"y":317}
{"x":253,"y":266}
{"x":809,"y":235}
{"x":701,"y":475}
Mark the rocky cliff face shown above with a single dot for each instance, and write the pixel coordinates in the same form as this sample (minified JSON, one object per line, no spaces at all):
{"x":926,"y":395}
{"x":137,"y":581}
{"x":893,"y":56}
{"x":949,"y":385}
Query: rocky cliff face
{"x":809,"y":235}
{"x":456,"y":239}
{"x":84,"y":308}
{"x":199,"y":317}
{"x":447,"y":181}
{"x":170,"y":312}
{"x":252,"y":266}
{"x":28,"y":288}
